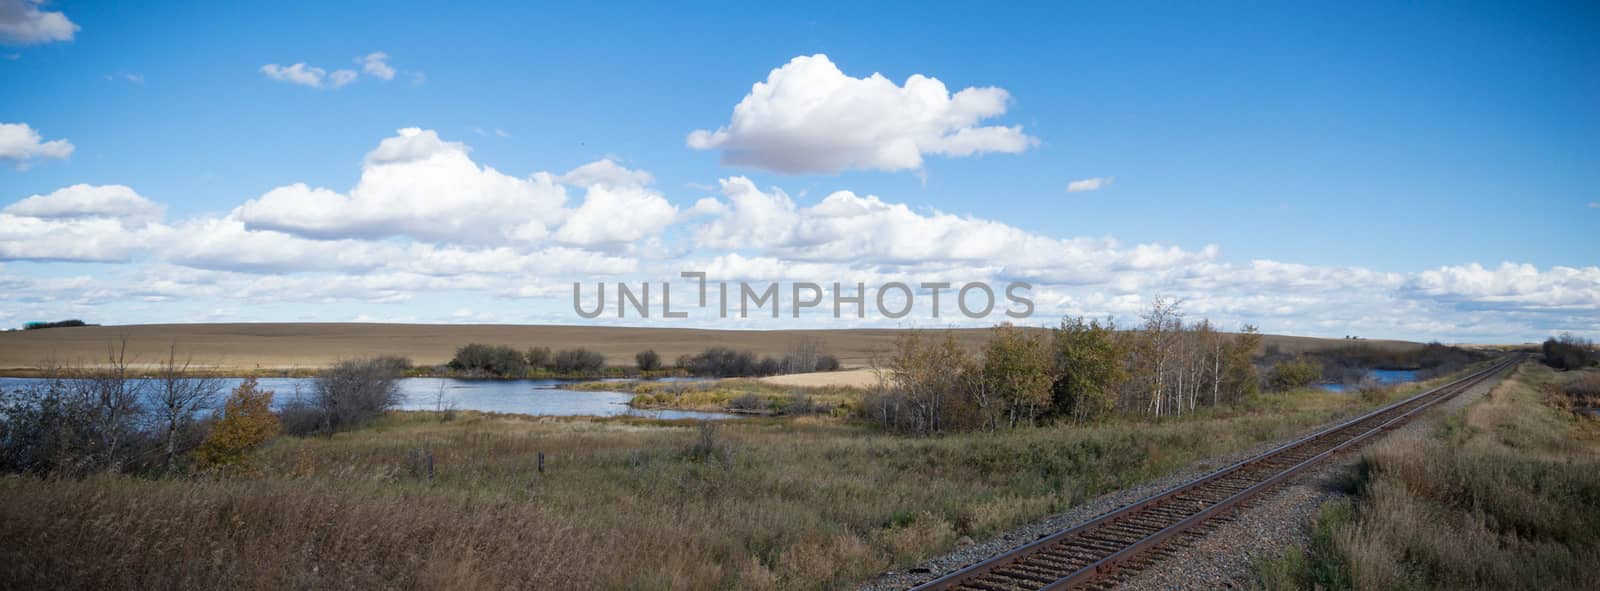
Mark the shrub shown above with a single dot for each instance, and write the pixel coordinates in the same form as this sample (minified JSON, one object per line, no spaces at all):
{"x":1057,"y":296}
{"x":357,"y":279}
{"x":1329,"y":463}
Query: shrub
{"x":800,"y":404}
{"x":1568,"y":352}
{"x":299,"y":417}
{"x":538,"y":357}
{"x":247,"y":422}
{"x":827,"y":363}
{"x":355,"y":391}
{"x":499,"y":360}
{"x":748,"y":402}
{"x":722,"y":362}
{"x":44,"y":429}
{"x":578,"y":361}
{"x":768,"y":367}
{"x":648,"y":360}
{"x":396,"y":362}
{"x":1372,"y":391}
{"x":708,"y":447}
{"x":1293,"y":374}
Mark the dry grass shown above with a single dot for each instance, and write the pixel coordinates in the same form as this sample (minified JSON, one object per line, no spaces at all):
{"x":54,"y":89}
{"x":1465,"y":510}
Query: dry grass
{"x":744,"y":394}
{"x":283,"y":346}
{"x":849,"y":378}
{"x":809,"y":502}
{"x":1503,"y":496}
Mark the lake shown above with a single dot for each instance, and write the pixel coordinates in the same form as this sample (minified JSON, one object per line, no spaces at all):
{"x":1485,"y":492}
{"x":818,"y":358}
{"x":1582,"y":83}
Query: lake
{"x":529,"y":397}
{"x":1384,"y":376}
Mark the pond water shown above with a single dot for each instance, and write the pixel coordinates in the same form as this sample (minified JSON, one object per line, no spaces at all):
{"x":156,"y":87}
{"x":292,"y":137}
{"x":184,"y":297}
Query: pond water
{"x":1384,"y":376}
{"x":529,"y":397}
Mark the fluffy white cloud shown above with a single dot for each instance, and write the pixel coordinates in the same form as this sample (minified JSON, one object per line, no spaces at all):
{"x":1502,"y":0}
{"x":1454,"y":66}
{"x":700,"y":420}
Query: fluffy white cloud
{"x":1092,"y":184}
{"x":87,"y":201}
{"x":1517,"y":285}
{"x":80,"y":223}
{"x":21,"y":143}
{"x":418,"y":185}
{"x":606,"y":172}
{"x":312,"y":76}
{"x":339,"y":78}
{"x":376,"y":64}
{"x":615,"y":215}
{"x":848,"y":227}
{"x":810,"y":117}
{"x":22,"y":23}
{"x":226,"y":244}
{"x":73,"y":239}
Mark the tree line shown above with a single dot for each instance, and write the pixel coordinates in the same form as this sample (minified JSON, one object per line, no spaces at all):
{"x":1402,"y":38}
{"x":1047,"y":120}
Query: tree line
{"x":1080,"y":371}
{"x":724,"y":362}
{"x":57,"y":324}
{"x":505,"y":361}
{"x":478,"y":359}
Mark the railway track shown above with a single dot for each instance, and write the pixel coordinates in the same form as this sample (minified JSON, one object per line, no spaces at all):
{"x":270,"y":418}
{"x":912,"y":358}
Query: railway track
{"x":1112,"y":547}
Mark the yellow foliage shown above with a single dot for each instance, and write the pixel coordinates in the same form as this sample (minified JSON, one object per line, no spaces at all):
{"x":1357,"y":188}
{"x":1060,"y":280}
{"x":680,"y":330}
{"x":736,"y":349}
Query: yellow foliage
{"x":247,"y":422}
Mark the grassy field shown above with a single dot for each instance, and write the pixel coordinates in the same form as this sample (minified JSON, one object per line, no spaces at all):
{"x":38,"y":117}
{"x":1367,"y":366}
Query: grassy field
{"x":1505,"y":495}
{"x":756,"y":395}
{"x":281,"y":346}
{"x":809,"y":502}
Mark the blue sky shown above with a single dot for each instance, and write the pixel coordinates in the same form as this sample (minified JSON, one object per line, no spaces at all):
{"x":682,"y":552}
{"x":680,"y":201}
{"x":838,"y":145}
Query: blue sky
{"x":1370,"y":137}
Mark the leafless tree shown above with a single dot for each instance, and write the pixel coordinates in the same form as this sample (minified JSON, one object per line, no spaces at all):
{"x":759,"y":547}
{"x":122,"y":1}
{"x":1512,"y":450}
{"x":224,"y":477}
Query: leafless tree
{"x":113,"y":397}
{"x":803,"y":355}
{"x":355,"y":391}
{"x":179,"y":395}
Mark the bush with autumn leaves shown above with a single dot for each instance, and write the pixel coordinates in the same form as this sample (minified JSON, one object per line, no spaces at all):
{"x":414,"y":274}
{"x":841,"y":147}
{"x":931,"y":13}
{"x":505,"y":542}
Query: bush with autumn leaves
{"x":247,"y":422}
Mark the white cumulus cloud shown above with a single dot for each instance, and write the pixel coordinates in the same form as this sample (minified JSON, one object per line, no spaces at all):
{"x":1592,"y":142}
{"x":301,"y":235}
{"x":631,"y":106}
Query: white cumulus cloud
{"x":810,"y":117}
{"x":21,"y":144}
{"x":845,"y":226}
{"x":606,"y":172}
{"x":615,"y":215}
{"x":80,"y":223}
{"x":86,"y":201}
{"x":312,"y":76}
{"x":1092,"y":184}
{"x":22,"y":23}
{"x":418,"y":185}
{"x":376,"y":64}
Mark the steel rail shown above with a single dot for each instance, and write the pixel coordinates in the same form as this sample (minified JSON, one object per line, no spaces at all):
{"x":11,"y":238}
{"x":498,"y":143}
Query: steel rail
{"x":1099,"y":557}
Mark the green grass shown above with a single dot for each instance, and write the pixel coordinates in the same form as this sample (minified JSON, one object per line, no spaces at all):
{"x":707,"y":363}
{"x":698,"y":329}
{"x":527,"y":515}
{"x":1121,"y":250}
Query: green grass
{"x":723,"y":394}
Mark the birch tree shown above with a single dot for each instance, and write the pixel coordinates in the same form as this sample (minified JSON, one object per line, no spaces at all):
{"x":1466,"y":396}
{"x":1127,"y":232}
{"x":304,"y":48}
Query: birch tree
{"x":179,"y":395}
